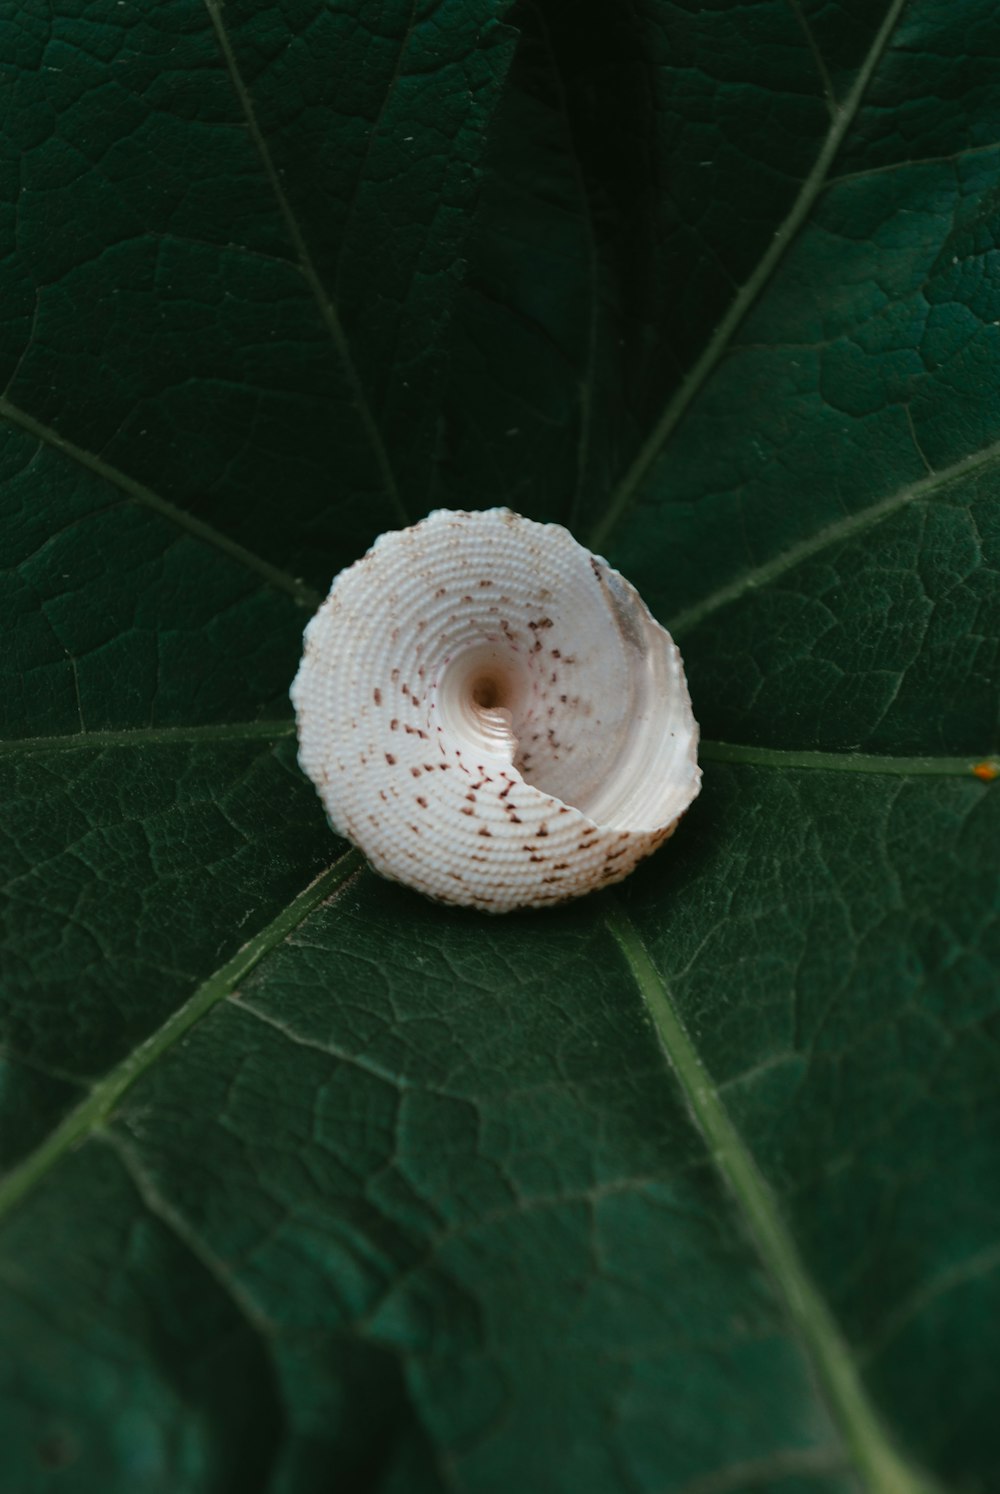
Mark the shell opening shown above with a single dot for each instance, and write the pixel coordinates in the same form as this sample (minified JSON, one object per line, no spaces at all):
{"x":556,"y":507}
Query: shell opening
{"x":627,"y":762}
{"x":479,"y":695}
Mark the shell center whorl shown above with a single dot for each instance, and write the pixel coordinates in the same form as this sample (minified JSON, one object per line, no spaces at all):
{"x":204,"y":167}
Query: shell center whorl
{"x":480,"y":694}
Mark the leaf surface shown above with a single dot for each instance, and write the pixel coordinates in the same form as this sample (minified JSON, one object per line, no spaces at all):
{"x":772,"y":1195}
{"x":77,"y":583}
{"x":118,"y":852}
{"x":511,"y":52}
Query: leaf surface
{"x":689,"y":1187}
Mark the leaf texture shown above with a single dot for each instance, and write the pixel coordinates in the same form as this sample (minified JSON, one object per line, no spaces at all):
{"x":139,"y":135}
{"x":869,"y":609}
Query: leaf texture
{"x":684,"y":1189}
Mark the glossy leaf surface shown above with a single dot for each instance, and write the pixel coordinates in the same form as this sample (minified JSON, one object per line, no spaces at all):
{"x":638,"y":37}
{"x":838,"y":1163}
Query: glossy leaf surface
{"x":685,"y":1189}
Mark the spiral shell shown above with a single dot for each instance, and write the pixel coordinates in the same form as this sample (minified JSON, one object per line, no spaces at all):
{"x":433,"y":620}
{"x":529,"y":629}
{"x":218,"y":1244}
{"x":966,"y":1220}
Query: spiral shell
{"x":492,"y":713}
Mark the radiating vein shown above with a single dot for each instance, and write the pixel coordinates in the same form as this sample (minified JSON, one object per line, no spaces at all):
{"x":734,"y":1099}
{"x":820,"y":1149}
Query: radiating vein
{"x":151,"y":736}
{"x":328,"y":1050}
{"x":881,"y":1468}
{"x":754,"y":1473}
{"x":829,"y":92}
{"x":832,"y":534}
{"x":983,"y":1263}
{"x":92,"y":1112}
{"x":139,"y":493}
{"x":160,"y":1208}
{"x":374,"y":135}
{"x":692,"y":385}
{"x":967,"y":152}
{"x":327,"y":309}
{"x":851,"y":762}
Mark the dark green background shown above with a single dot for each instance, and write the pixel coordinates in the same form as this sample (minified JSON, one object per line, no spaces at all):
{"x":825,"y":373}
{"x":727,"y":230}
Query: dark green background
{"x":407,"y":1199}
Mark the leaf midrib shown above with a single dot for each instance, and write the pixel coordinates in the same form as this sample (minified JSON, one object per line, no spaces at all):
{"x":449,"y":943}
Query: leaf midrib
{"x":87,"y":1117}
{"x":150,"y":736}
{"x":780,"y":758}
{"x":876,"y":1459}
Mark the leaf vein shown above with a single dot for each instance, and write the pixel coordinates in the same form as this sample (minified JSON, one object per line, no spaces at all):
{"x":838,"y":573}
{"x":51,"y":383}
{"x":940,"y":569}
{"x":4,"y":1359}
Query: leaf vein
{"x":327,"y":309}
{"x":81,"y":1122}
{"x":156,"y":1205}
{"x":754,"y":1473}
{"x":717,"y":345}
{"x":845,"y":762}
{"x":829,"y":94}
{"x":873,"y":1454}
{"x":832,"y":534}
{"x":139,"y":493}
{"x":151,"y":736}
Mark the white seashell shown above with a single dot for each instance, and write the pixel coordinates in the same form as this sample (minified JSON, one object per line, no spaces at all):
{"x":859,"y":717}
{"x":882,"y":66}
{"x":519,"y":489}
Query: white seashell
{"x":492,"y":713}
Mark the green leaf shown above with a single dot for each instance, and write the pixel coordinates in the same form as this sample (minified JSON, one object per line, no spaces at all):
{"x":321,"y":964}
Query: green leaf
{"x":310,"y":1183}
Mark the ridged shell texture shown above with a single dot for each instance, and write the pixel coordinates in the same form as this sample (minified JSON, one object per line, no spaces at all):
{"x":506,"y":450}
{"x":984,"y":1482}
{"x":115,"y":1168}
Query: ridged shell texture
{"x":493,"y":715}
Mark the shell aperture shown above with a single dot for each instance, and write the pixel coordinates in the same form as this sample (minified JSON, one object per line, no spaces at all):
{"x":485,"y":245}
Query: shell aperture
{"x":492,"y":714}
